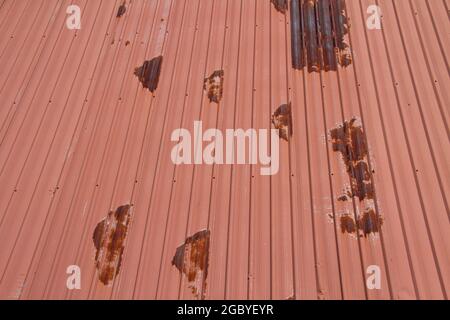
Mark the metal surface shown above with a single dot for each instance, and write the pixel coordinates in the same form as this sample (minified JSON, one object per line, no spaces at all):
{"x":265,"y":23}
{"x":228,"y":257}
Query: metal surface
{"x":80,"y":137}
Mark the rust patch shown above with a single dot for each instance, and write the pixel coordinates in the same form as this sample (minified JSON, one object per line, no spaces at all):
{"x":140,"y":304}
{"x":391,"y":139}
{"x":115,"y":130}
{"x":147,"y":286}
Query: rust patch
{"x":319,"y":31}
{"x":348,"y":224}
{"x":366,"y":224}
{"x":149,"y":73}
{"x":213,"y":85}
{"x":370,"y":222}
{"x":192,"y":259}
{"x":122,"y":9}
{"x":350,"y":140}
{"x":109,"y":238}
{"x":282,"y":120}
{"x":280,"y":5}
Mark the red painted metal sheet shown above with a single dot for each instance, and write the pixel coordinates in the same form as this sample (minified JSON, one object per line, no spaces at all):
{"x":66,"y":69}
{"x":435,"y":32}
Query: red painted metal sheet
{"x":81,"y":138}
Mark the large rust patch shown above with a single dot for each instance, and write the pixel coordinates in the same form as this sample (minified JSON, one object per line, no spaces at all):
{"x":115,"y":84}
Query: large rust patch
{"x":282,"y":121}
{"x":213,"y":85}
{"x":109,"y":238}
{"x":192,"y":259}
{"x":350,"y":140}
{"x":148,"y":74}
{"x":319,"y":32}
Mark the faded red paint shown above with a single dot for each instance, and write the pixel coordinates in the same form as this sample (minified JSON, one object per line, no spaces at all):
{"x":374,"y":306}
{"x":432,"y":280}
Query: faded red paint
{"x":79,"y":135}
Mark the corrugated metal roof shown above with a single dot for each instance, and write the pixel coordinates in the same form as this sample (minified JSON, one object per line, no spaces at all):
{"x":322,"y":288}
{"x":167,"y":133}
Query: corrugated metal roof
{"x":85,"y":147}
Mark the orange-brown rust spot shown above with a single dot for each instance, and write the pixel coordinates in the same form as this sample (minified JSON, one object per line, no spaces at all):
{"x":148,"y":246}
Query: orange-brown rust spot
{"x":280,"y":5}
{"x":348,"y":224}
{"x":282,"y":121}
{"x":192,"y":259}
{"x":122,"y":9}
{"x":366,"y":224}
{"x":350,"y":140}
{"x":370,"y":222}
{"x":109,"y":239}
{"x":149,"y":73}
{"x":213,"y":85}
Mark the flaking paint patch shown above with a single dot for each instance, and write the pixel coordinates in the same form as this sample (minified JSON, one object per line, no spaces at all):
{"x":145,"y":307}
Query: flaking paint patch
{"x":192,"y":259}
{"x":213,"y":85}
{"x":109,"y":239}
{"x":282,"y":121}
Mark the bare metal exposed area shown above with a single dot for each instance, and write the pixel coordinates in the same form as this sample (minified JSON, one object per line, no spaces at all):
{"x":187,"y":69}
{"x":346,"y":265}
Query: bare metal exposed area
{"x":282,"y":120}
{"x":192,"y":259}
{"x":318,"y":33}
{"x":213,"y":85}
{"x":149,"y":73}
{"x":109,"y":238}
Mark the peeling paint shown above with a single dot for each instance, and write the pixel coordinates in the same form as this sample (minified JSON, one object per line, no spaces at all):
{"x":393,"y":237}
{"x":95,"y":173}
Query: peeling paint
{"x":282,"y":120}
{"x":213,"y":85}
{"x":149,"y":73}
{"x":109,"y":238}
{"x":192,"y":259}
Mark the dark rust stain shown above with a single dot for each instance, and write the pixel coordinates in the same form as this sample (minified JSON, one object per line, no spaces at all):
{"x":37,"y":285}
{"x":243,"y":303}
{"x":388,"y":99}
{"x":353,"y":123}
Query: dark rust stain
{"x":370,"y":222}
{"x":149,"y":73}
{"x":366,"y":224}
{"x":282,"y":121}
{"x":109,"y":239}
{"x":213,"y":85}
{"x":348,"y":224}
{"x":350,"y":140}
{"x":319,"y":30}
{"x":280,"y":5}
{"x":122,"y":9}
{"x":192,"y":259}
